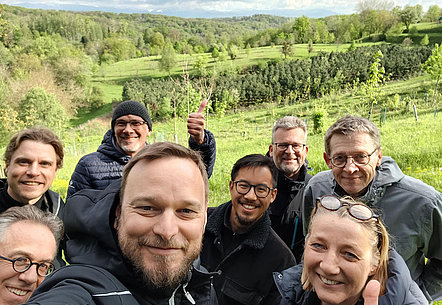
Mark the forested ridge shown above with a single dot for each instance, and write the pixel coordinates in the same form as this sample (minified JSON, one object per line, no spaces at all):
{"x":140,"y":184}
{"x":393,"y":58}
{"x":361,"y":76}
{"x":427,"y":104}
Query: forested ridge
{"x":48,"y":58}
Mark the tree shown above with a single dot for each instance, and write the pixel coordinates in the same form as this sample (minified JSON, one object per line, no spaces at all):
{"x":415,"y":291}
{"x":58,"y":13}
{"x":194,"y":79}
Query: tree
{"x":408,"y":16}
{"x":233,"y":51}
{"x":425,"y":41}
{"x":287,"y":48}
{"x":433,"y":65}
{"x":40,"y":108}
{"x":168,"y":59}
{"x":377,"y":77}
{"x":433,"y":13}
{"x":302,"y":26}
{"x":215,"y":53}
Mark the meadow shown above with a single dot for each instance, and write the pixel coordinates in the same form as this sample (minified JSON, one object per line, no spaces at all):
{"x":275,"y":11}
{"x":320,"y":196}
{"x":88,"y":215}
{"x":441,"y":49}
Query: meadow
{"x":415,"y":145}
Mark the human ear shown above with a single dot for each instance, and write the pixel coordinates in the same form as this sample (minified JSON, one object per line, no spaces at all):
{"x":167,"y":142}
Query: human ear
{"x":327,"y":160}
{"x":117,"y":216}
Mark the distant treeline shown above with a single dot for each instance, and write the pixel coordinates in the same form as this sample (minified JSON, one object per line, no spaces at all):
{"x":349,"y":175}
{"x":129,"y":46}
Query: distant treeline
{"x":110,"y":37}
{"x":285,"y":80}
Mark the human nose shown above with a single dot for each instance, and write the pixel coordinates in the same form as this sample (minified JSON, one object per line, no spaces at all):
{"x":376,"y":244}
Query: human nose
{"x":329,"y":263}
{"x":33,"y":169}
{"x":290,"y":149}
{"x":251,"y":195}
{"x":350,"y":166}
{"x":166,"y":225}
{"x":30,"y":276}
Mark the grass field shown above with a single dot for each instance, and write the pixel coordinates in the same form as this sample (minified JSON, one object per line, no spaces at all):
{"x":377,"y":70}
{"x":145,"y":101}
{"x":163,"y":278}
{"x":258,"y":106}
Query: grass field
{"x":416,"y":146}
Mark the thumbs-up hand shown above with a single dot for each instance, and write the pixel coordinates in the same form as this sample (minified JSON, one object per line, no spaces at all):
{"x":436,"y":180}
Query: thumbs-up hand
{"x":195,"y":124}
{"x":371,"y":293}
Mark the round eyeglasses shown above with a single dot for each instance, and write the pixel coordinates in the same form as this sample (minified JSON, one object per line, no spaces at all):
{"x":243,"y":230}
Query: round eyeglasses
{"x":356,"y":210}
{"x":22,"y":264}
{"x":358,"y":159}
{"x":243,"y":187}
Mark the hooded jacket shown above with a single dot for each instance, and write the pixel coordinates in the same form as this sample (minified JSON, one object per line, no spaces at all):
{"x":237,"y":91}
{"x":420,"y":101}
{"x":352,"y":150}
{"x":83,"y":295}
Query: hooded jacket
{"x":401,"y":289}
{"x":411,"y":211}
{"x":99,"y":274}
{"x":245,"y":271}
{"x":99,"y":169}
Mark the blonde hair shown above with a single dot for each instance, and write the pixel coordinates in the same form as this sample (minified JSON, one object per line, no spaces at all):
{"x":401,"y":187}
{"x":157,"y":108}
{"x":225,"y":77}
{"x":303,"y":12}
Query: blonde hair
{"x":379,"y":238}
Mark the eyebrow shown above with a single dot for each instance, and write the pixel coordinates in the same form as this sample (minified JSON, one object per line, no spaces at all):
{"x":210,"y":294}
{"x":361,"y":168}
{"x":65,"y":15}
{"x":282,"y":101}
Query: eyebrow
{"x":138,"y":201}
{"x":30,"y":256}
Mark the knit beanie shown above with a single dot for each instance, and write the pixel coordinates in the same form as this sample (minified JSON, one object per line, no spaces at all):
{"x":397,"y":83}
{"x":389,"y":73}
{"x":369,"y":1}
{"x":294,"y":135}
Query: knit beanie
{"x":131,"y":107}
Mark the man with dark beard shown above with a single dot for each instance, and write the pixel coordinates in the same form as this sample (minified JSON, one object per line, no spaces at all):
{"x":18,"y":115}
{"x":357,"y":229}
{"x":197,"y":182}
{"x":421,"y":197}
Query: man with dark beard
{"x":239,"y":243}
{"x":138,"y":244}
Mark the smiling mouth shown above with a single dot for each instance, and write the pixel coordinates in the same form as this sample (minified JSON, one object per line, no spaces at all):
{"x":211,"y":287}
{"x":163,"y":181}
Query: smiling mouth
{"x":30,"y":183}
{"x":327,"y":281}
{"x":248,"y":206}
{"x":18,"y":292}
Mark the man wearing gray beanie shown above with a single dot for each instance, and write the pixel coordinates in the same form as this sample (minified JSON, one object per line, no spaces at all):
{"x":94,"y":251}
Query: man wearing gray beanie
{"x":130,"y":126}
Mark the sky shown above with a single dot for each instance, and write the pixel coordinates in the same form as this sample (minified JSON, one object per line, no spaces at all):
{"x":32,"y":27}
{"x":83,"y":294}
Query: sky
{"x":214,"y":8}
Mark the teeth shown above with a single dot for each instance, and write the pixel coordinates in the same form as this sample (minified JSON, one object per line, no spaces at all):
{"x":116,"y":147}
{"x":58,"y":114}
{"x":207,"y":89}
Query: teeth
{"x":327,"y":281}
{"x":30,"y":183}
{"x":17,"y":291}
{"x":248,"y":206}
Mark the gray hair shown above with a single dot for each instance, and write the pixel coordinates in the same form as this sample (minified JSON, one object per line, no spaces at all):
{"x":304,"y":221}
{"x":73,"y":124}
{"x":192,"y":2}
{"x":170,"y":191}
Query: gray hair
{"x":32,"y":214}
{"x":349,"y":125}
{"x":289,"y":122}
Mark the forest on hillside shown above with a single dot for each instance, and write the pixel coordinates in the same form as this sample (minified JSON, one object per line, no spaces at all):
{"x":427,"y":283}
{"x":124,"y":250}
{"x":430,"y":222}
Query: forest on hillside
{"x":47,"y":57}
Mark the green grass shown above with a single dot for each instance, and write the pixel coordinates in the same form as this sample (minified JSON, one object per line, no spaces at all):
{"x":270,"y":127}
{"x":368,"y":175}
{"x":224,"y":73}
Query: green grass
{"x":416,"y":146}
{"x":111,"y":78}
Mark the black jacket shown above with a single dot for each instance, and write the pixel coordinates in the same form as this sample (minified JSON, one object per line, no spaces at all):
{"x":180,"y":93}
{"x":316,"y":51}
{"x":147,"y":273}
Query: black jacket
{"x":99,"y":169}
{"x":245,"y":272}
{"x":52,"y":201}
{"x":98,"y":268}
{"x":285,"y":211}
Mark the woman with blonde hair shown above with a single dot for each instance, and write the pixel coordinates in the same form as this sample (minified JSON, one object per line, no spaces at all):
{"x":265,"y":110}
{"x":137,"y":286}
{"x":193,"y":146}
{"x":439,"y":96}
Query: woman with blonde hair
{"x":347,"y":247}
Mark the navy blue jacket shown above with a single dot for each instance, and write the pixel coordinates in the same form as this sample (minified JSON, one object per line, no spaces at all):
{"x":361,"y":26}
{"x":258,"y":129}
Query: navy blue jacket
{"x":401,"y":289}
{"x":99,"y":169}
{"x":99,"y":274}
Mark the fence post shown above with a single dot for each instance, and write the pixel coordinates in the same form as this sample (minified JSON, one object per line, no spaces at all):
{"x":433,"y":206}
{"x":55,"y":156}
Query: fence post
{"x":415,"y":112}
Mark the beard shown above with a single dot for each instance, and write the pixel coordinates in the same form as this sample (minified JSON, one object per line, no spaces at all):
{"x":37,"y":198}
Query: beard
{"x":290,"y":169}
{"x":158,"y":276}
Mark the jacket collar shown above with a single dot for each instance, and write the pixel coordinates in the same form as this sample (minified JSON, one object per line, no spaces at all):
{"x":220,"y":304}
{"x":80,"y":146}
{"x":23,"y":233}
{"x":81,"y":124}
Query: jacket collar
{"x":256,"y":236}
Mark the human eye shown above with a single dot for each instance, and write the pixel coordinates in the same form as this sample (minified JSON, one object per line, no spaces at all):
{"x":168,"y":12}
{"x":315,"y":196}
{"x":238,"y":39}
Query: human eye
{"x":243,"y":185}
{"x":339,"y":158}
{"x":46,"y":163}
{"x":21,"y":261}
{"x":351,"y":256}
{"x":317,"y":246}
{"x":135,"y":123}
{"x":361,"y":158}
{"x":120,"y":123}
{"x":261,"y":188}
{"x":283,"y":146}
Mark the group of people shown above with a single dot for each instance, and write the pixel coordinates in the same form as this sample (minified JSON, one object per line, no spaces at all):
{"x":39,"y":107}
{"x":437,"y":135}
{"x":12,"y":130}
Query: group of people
{"x":136,"y":227}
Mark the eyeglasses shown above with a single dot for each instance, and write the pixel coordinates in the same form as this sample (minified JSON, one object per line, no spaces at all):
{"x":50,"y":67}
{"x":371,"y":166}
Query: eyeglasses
{"x":22,"y":264}
{"x":356,"y":210}
{"x":358,"y":159}
{"x":243,"y":188}
{"x":133,"y":124}
{"x":295,"y":146}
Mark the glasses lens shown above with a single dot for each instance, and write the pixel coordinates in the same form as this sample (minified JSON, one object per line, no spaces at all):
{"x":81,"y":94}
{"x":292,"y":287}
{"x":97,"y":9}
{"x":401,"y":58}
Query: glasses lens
{"x":330,"y":203}
{"x":21,"y":264}
{"x":339,"y":161}
{"x":45,"y":269}
{"x":261,"y":191}
{"x":360,"y":211}
{"x":361,"y":159}
{"x":242,"y":187}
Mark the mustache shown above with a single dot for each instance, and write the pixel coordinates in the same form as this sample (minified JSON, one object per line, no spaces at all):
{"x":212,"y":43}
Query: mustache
{"x":159,"y":242}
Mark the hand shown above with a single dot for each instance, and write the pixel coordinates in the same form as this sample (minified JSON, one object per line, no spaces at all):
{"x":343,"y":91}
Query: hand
{"x":371,"y":293}
{"x":195,"y":124}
